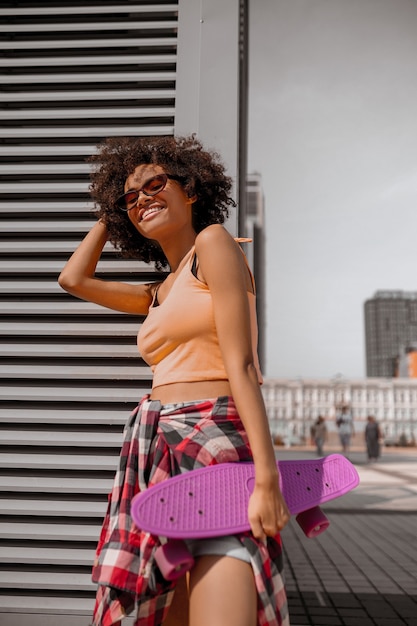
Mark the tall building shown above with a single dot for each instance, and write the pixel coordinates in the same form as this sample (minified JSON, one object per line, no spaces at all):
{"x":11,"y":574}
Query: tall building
{"x":390,"y":329}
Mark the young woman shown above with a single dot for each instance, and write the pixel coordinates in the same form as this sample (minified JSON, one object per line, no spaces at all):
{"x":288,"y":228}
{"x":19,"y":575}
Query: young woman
{"x":164,"y":200}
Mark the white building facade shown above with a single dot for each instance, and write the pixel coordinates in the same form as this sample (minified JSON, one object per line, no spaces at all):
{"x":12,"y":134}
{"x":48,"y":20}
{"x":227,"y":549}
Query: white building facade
{"x":293,"y":405}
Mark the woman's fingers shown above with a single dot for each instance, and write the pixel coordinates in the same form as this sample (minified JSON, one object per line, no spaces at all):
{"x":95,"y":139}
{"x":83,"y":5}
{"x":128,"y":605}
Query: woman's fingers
{"x":257,"y":529}
{"x":267,"y":519}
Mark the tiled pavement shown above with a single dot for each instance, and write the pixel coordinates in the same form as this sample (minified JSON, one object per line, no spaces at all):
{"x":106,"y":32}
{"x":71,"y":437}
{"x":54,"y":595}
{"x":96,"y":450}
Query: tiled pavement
{"x":363,"y":570}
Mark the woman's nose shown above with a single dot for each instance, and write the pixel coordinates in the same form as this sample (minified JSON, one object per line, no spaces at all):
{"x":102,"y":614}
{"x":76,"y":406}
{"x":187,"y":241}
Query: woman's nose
{"x":142,"y":199}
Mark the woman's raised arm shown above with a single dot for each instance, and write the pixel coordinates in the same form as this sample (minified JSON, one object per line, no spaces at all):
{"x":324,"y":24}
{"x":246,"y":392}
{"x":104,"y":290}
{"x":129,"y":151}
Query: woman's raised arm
{"x":78,"y":278}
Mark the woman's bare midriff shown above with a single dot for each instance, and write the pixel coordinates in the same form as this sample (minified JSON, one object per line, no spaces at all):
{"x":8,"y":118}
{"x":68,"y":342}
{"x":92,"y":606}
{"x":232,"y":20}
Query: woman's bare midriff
{"x":186,"y":392}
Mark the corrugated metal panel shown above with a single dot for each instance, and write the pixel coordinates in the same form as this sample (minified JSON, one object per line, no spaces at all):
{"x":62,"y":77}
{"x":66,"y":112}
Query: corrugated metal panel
{"x":72,"y":73}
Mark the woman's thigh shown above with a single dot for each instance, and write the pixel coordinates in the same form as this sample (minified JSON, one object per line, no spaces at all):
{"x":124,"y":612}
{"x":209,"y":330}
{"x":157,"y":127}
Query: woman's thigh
{"x":222,"y":591}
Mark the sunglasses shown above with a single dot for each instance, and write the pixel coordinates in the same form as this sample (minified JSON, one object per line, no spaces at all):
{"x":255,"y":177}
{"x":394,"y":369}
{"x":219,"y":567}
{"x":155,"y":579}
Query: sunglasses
{"x":153,"y":186}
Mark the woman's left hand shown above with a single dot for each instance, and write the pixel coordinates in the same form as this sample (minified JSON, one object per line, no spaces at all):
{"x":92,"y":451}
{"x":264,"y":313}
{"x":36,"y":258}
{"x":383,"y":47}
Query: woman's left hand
{"x":267,"y":511}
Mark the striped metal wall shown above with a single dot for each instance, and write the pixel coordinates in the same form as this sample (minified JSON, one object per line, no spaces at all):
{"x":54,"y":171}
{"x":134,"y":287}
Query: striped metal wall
{"x":74,"y":72}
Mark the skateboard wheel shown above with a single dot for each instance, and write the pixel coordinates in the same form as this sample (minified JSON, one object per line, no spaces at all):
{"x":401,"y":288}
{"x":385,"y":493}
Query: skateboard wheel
{"x":312,"y":522}
{"x":173,"y":559}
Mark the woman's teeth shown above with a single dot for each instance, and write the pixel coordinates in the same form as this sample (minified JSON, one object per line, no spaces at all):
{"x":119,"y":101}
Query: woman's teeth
{"x":151,"y":210}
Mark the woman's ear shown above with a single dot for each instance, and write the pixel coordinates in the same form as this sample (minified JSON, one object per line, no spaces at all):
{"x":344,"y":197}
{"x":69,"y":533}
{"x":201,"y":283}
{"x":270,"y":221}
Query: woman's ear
{"x":191,"y":198}
{"x":189,"y":189}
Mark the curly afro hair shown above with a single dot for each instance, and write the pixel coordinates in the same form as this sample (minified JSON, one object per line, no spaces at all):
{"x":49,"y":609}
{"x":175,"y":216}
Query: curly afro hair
{"x":200,"y":171}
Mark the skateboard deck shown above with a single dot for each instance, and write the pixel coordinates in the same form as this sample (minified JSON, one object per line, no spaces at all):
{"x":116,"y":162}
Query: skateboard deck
{"x":213,"y":501}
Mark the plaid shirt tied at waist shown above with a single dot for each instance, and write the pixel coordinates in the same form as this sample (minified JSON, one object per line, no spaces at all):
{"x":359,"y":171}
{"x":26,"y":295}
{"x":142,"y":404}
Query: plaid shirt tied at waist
{"x":160,"y":442}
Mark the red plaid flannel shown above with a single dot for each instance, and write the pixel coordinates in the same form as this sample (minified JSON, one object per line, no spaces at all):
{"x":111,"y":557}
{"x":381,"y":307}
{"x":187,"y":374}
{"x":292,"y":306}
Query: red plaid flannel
{"x":159,"y":442}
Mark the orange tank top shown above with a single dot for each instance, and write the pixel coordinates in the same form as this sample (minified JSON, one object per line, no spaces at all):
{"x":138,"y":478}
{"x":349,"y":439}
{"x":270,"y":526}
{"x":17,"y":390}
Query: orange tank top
{"x":178,"y":338}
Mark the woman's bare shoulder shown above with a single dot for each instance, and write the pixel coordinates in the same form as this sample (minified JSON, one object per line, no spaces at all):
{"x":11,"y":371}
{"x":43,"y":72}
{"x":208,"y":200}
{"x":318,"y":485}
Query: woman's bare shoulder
{"x":213,"y":235}
{"x":220,"y":257}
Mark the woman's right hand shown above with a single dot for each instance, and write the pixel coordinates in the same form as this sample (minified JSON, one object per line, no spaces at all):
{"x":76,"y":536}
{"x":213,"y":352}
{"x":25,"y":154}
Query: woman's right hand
{"x":267,"y":511}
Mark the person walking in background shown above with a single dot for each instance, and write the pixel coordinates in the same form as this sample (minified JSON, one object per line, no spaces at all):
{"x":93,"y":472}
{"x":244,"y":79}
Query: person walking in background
{"x":164,"y":200}
{"x":373,"y":438}
{"x":344,"y":424}
{"x":319,"y":434}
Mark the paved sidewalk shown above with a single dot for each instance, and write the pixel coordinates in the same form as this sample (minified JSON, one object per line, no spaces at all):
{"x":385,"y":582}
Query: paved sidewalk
{"x":363,"y":570}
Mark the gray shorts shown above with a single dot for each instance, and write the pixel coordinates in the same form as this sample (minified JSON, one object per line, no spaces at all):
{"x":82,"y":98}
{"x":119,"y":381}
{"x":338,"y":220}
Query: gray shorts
{"x":222,"y":546}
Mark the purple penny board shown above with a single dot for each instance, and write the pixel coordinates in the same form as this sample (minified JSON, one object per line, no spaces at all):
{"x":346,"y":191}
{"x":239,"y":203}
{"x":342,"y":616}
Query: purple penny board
{"x":213,"y":501}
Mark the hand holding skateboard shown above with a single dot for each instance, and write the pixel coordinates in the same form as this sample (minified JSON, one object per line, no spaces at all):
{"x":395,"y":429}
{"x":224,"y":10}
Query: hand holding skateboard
{"x":267,"y":510}
{"x":213,"y":501}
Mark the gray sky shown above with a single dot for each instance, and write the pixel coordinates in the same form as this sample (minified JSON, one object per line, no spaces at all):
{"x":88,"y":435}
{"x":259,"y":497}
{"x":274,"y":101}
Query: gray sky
{"x":333,"y":132}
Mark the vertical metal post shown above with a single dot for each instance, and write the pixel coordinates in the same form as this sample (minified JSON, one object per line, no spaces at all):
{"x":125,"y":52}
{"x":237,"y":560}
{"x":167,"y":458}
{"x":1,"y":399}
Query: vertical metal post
{"x":209,"y":80}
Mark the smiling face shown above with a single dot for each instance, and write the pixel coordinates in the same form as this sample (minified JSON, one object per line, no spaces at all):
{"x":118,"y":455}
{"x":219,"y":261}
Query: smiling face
{"x":164,"y":214}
